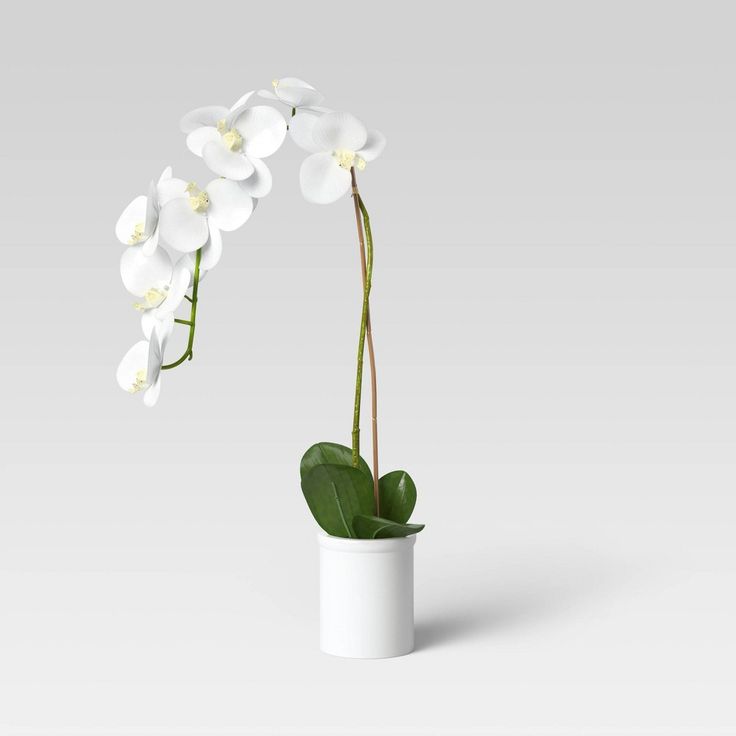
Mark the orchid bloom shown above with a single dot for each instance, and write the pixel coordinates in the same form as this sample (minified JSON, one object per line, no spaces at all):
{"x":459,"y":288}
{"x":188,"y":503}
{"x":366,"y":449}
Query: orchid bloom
{"x":294,"y":93}
{"x":233,"y":141}
{"x":338,"y":141}
{"x":138,"y":225}
{"x":190,"y":222}
{"x":140,"y":368}
{"x":161,"y":285}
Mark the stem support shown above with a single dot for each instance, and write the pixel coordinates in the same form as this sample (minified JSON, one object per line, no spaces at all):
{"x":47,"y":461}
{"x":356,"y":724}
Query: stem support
{"x":366,"y":265}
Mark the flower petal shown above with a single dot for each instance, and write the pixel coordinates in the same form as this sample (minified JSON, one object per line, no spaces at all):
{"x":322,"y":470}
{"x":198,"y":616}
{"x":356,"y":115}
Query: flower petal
{"x":373,"y":147}
{"x":170,"y":189}
{"x":181,"y":227}
{"x":211,"y":254}
{"x":134,"y":214}
{"x":208,"y":115}
{"x":151,"y":209}
{"x":293,"y":82}
{"x":163,"y":328}
{"x":263,"y":129}
{"x":151,"y":320}
{"x":166,"y":174}
{"x":179,"y":285}
{"x":141,"y":272}
{"x":197,"y":138}
{"x":151,"y":244}
{"x":230,"y":206}
{"x":301,"y":129}
{"x":339,"y":130}
{"x":148,"y":321}
{"x":150,"y":398}
{"x":259,"y":183}
{"x":238,"y":108}
{"x":227,"y":163}
{"x":135,"y":360}
{"x":157,"y":344}
{"x":322,"y":179}
{"x":242,"y":100}
{"x":296,"y":92}
{"x":267,"y":94}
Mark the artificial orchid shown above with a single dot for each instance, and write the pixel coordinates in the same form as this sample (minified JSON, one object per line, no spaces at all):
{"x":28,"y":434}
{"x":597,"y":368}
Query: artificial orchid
{"x":295,"y":94}
{"x":187,"y":223}
{"x":174,"y":237}
{"x":140,"y":368}
{"x":233,"y":142}
{"x":138,"y":224}
{"x":154,"y":278}
{"x":338,"y":142}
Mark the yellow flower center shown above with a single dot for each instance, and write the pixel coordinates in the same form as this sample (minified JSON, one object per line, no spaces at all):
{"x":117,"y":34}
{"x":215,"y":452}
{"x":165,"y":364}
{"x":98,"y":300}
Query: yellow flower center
{"x":275,"y":83}
{"x":139,"y":383}
{"x":347,"y":159}
{"x":138,"y":233}
{"x":152,"y":298}
{"x":198,"y":200}
{"x":230,"y":137}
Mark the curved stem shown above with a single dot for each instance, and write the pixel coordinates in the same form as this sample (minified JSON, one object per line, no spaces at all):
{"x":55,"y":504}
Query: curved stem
{"x":365,"y":333}
{"x":372,"y":363}
{"x":192,"y":322}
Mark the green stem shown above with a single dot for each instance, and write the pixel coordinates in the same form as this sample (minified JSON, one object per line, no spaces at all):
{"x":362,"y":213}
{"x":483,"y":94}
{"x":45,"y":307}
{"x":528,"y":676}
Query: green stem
{"x":363,"y":324}
{"x":192,"y":322}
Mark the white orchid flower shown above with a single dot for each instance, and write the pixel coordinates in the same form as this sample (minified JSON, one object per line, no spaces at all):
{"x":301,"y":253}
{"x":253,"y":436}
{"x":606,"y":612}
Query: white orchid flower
{"x":191,"y":222}
{"x":338,"y":141}
{"x":233,"y":141}
{"x":294,"y":93}
{"x":161,"y":285}
{"x":138,"y":225}
{"x":300,"y":96}
{"x":140,"y":368}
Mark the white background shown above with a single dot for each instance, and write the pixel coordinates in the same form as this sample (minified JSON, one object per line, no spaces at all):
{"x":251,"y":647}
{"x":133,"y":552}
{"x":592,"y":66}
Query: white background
{"x":554,"y":315}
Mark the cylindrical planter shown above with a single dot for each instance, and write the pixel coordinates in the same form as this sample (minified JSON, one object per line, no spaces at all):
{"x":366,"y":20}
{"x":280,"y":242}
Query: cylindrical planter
{"x":366,"y":596}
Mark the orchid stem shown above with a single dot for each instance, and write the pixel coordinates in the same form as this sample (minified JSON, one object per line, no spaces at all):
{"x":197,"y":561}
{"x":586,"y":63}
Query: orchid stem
{"x":365,"y":332}
{"x":192,"y":322}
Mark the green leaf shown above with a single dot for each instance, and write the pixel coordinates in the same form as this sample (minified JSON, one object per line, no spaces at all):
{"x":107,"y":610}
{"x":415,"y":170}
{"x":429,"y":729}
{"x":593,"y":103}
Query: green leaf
{"x":330,"y":453}
{"x":374,"y":527}
{"x":335,"y":494}
{"x":397,"y":495}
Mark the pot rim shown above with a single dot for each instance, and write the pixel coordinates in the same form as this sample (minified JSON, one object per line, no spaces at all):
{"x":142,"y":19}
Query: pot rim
{"x":346,"y":544}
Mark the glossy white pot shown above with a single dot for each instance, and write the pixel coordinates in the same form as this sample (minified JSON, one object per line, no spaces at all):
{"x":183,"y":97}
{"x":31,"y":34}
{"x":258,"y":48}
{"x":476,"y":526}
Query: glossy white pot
{"x":366,"y":596}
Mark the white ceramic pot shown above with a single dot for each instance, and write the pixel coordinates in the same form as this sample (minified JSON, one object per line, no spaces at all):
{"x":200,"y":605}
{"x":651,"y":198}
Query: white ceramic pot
{"x":366,"y":596}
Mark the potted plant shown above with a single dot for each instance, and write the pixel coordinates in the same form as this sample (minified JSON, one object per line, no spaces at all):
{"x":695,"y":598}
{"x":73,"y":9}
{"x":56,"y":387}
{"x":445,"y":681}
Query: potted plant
{"x":173,"y":238}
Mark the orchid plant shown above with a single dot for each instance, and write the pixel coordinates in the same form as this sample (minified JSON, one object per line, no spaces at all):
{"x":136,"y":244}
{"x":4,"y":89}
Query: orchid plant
{"x":173,"y":237}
